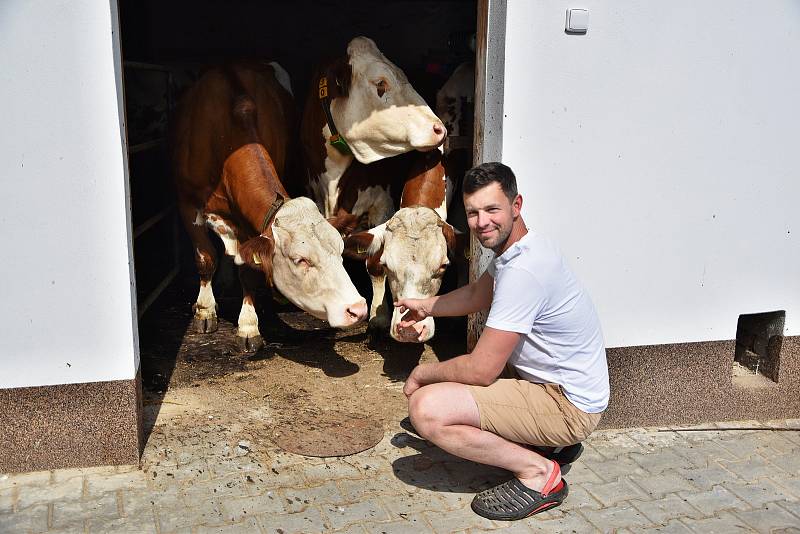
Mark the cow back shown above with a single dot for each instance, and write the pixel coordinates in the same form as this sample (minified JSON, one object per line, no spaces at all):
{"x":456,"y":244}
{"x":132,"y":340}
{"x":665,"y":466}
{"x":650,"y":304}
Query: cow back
{"x":229,"y":107}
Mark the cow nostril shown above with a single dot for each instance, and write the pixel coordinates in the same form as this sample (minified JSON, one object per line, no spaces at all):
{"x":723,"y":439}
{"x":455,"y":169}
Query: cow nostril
{"x":357,"y":311}
{"x":438,"y":129}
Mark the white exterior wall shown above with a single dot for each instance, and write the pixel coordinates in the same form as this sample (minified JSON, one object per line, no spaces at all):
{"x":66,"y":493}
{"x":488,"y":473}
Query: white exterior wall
{"x":660,"y":151}
{"x":67,"y":313}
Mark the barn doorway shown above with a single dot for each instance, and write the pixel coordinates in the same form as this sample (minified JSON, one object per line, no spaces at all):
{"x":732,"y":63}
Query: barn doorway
{"x":165,"y":46}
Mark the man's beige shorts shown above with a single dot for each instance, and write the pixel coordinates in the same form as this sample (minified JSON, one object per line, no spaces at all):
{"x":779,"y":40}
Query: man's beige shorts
{"x":535,"y":414}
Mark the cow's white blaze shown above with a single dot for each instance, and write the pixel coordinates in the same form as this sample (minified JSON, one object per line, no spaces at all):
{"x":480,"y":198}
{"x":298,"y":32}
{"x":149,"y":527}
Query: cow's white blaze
{"x":383,"y":123}
{"x":307,"y":265}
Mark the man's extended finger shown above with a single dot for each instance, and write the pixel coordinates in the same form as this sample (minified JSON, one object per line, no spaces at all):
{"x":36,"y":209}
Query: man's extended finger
{"x":405,"y":323}
{"x":422,"y":333}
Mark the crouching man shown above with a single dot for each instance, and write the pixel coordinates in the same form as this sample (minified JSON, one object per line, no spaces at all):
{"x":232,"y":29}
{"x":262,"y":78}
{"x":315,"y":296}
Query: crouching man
{"x":543,"y":326}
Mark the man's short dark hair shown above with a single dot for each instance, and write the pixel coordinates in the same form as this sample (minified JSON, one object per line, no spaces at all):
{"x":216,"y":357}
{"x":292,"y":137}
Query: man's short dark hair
{"x":488,"y":173}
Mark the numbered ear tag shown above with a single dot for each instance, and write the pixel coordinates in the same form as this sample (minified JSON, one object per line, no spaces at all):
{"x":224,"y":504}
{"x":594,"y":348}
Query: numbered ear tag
{"x":256,"y":258}
{"x":323,"y":88}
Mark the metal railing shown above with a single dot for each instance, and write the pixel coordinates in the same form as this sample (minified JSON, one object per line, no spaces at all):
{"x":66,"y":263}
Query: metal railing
{"x":169,"y":212}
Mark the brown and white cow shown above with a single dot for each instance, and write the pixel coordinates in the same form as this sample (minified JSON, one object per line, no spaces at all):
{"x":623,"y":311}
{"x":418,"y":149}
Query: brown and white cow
{"x":377,"y":113}
{"x":413,"y":248}
{"x":230,"y":147}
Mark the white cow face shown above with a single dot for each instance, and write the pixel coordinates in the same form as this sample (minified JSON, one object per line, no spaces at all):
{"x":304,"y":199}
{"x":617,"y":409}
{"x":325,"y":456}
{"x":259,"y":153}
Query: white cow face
{"x":377,"y":110}
{"x":415,"y":256}
{"x":306,"y":264}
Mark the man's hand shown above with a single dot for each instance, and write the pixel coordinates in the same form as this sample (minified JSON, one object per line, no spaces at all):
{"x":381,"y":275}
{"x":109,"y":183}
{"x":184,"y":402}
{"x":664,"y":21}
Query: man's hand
{"x":412,"y":383}
{"x":414,"y":310}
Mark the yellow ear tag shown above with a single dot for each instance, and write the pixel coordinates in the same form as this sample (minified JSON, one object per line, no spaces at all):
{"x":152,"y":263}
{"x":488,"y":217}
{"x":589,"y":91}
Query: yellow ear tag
{"x":256,"y":258}
{"x":323,"y":88}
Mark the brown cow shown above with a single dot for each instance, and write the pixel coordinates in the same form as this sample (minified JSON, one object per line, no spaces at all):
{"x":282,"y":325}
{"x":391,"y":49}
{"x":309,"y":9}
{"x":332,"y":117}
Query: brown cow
{"x":230,"y":147}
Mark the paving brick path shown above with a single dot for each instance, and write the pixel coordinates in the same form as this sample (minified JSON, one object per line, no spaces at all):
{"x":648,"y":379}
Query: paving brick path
{"x":210,"y":480}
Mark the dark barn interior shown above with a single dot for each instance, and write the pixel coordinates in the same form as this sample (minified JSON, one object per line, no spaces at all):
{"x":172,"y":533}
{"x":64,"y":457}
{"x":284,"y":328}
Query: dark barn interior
{"x":165,"y":45}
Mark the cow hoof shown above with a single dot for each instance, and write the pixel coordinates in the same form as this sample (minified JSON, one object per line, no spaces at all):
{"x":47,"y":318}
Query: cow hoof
{"x":249,"y":344}
{"x":205,"y":325}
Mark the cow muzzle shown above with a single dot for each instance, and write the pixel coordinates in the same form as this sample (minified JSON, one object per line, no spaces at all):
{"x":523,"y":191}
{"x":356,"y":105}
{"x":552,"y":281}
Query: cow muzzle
{"x":436,"y":136}
{"x":351,"y":315}
{"x":417,"y":333}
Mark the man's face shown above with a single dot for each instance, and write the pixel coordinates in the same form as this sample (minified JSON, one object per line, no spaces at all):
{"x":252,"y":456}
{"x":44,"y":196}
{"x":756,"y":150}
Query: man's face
{"x":491,"y":216}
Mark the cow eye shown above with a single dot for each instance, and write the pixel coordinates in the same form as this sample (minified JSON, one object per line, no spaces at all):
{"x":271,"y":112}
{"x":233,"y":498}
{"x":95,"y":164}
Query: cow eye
{"x":301,"y":262}
{"x":441,"y":270}
{"x":381,"y":86}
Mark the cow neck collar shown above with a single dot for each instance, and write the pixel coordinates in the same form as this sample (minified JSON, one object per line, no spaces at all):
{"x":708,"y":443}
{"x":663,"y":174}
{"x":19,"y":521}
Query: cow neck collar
{"x":336,"y":140}
{"x":271,"y":212}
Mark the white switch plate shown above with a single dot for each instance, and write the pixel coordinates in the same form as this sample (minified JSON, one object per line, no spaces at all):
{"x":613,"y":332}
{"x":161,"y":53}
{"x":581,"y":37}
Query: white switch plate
{"x":577,"y":20}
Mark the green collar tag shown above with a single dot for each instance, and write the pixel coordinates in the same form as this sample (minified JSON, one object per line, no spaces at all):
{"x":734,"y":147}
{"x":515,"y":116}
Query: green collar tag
{"x":338,"y":142}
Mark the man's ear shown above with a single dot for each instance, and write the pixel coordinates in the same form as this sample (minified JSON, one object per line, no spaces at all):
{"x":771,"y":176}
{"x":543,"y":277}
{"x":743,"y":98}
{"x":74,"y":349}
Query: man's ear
{"x":517,"y":204}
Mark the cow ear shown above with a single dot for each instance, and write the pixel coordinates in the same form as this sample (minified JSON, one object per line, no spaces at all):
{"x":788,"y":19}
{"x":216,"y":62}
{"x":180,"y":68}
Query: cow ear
{"x":346,"y":223}
{"x":357,"y":246}
{"x":257,"y":253}
{"x":374,"y":265}
{"x":449,"y":237}
{"x":339,"y":74}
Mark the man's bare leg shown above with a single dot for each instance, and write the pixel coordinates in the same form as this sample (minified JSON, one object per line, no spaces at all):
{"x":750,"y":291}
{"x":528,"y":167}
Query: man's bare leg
{"x":446,"y":414}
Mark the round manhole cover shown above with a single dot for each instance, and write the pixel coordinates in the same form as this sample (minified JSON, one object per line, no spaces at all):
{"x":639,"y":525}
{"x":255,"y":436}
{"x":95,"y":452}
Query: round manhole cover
{"x":328,"y":433}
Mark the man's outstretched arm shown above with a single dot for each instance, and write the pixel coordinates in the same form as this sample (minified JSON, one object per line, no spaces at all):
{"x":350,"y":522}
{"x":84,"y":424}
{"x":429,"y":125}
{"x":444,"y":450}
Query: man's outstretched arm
{"x":467,"y":299}
{"x":481,"y":367}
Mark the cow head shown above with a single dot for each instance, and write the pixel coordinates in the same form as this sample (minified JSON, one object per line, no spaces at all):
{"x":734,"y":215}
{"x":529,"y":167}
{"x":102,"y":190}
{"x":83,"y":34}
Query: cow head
{"x":412,"y":249}
{"x":304,"y":260}
{"x":376,"y":108}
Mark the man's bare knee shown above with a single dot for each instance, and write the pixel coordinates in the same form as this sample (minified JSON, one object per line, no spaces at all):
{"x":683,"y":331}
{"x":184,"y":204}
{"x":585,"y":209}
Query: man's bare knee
{"x":434,"y":407}
{"x":423,"y":413}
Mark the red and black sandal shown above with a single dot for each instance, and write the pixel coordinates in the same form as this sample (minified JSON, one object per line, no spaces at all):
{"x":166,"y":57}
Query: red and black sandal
{"x":513,"y":500}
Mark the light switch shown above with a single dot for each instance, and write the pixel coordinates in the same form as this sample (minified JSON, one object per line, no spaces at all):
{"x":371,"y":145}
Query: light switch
{"x":577,"y":20}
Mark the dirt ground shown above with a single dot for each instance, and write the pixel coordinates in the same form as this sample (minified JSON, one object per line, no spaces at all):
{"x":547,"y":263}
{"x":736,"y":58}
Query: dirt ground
{"x":307,"y":374}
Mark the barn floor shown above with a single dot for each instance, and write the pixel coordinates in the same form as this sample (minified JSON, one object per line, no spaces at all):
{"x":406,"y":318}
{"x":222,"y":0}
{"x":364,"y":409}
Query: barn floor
{"x":305,"y":368}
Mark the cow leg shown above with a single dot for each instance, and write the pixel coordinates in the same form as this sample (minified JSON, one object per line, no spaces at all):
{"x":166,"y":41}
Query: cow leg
{"x":380,"y":314}
{"x":205,"y":257}
{"x":248,"y":338}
